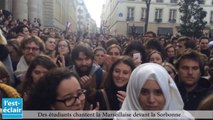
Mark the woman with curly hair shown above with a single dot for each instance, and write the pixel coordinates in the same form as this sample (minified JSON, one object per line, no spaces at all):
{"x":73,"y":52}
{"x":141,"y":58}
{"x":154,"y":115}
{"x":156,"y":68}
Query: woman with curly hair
{"x":136,"y":47}
{"x":58,"y":90}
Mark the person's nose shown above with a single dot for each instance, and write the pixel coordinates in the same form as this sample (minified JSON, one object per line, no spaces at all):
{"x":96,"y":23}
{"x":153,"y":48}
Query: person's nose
{"x":120,"y":75}
{"x":84,"y":62}
{"x":190,"y":71}
{"x":151,"y":98}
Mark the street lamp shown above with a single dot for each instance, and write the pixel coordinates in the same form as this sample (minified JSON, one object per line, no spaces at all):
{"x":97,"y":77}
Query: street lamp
{"x":127,"y":28}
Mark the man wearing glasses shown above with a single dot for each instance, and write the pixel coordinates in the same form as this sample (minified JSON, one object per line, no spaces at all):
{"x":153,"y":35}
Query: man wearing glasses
{"x":31,"y":47}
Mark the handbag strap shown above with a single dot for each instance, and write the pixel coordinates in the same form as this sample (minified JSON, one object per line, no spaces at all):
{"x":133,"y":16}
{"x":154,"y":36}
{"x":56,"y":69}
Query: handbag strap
{"x":105,"y":99}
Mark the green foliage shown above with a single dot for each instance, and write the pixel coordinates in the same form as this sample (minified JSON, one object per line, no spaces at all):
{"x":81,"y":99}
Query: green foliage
{"x":192,"y":18}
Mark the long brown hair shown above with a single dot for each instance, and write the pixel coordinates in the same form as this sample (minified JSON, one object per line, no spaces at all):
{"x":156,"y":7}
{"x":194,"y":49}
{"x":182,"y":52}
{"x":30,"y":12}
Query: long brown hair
{"x":123,"y":59}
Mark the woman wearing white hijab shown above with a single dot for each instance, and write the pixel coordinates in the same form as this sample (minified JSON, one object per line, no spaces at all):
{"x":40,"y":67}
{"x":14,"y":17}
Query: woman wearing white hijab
{"x":151,"y":88}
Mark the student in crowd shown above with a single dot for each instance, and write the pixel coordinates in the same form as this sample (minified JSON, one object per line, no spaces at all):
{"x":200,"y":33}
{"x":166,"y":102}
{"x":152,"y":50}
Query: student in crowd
{"x":163,"y":40}
{"x":63,"y":53}
{"x":15,"y":52}
{"x":136,"y":47}
{"x":34,"y":31}
{"x":91,"y":75}
{"x":52,"y":33}
{"x":203,"y":45}
{"x":31,"y":47}
{"x":191,"y":85}
{"x":184,"y":43}
{"x":37,"y":69}
{"x":148,"y":36}
{"x":111,"y":41}
{"x":174,"y":41}
{"x":151,"y":88}
{"x":111,"y":98}
{"x":114,"y":51}
{"x":156,"y":57}
{"x":154,"y":44}
{"x":99,"y":53}
{"x":50,"y":45}
{"x":170,"y":69}
{"x":58,"y":90}
{"x":170,"y":53}
{"x":22,"y":31}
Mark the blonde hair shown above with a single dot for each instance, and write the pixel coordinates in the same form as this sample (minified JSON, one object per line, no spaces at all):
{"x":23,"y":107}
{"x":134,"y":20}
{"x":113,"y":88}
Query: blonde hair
{"x":114,"y":46}
{"x":155,"y":51}
{"x":170,"y":66}
{"x":9,"y":91}
{"x":3,"y":40}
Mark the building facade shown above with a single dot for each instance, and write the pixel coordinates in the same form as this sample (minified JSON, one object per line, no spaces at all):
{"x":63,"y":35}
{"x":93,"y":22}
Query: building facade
{"x":84,"y":21}
{"x":127,"y":17}
{"x":52,"y":13}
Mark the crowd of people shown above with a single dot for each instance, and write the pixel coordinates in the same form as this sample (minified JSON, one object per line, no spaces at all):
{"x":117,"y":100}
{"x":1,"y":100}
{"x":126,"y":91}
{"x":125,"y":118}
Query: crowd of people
{"x":53,"y":70}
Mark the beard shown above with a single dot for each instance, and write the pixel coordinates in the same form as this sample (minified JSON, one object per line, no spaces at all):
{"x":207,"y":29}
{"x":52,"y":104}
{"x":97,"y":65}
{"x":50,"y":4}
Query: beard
{"x":29,"y":58}
{"x":83,"y":70}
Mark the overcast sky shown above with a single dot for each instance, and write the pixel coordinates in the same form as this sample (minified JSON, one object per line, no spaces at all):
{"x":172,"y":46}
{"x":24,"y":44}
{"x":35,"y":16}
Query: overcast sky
{"x":95,"y":7}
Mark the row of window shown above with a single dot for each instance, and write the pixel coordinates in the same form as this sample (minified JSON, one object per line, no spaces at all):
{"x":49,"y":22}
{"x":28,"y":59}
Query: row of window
{"x":161,"y":1}
{"x":211,"y":17}
{"x":158,"y":15}
{"x":176,"y":1}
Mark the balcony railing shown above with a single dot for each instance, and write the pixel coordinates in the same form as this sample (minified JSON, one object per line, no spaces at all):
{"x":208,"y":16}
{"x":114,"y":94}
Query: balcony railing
{"x":172,"y":20}
{"x":130,"y":19}
{"x":158,"y":20}
{"x":143,"y":19}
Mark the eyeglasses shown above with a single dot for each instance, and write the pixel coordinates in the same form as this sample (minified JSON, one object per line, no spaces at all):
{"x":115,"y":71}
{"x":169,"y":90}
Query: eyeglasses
{"x":71,"y":100}
{"x":31,"y":48}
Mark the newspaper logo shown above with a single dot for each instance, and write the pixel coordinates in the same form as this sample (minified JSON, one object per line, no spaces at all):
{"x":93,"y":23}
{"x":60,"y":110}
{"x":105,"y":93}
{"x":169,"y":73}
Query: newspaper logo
{"x":12,"y":108}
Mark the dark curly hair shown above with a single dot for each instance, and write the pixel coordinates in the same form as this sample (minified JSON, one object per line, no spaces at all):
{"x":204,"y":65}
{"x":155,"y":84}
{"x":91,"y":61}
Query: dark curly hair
{"x":138,"y":46}
{"x":45,"y":92}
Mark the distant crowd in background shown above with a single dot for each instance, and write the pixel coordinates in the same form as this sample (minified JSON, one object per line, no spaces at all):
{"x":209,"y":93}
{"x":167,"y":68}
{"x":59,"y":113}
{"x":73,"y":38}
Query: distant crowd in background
{"x":62,"y":70}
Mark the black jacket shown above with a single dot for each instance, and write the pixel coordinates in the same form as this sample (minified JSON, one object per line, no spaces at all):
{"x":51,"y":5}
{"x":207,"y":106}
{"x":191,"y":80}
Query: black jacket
{"x":3,"y":52}
{"x":193,"y":98}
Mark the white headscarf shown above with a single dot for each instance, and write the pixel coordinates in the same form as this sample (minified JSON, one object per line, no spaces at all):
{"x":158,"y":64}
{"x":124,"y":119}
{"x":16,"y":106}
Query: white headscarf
{"x":137,"y":80}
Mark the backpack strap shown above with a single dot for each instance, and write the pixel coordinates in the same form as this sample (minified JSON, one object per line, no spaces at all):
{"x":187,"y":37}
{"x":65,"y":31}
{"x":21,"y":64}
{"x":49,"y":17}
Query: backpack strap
{"x":99,"y":76}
